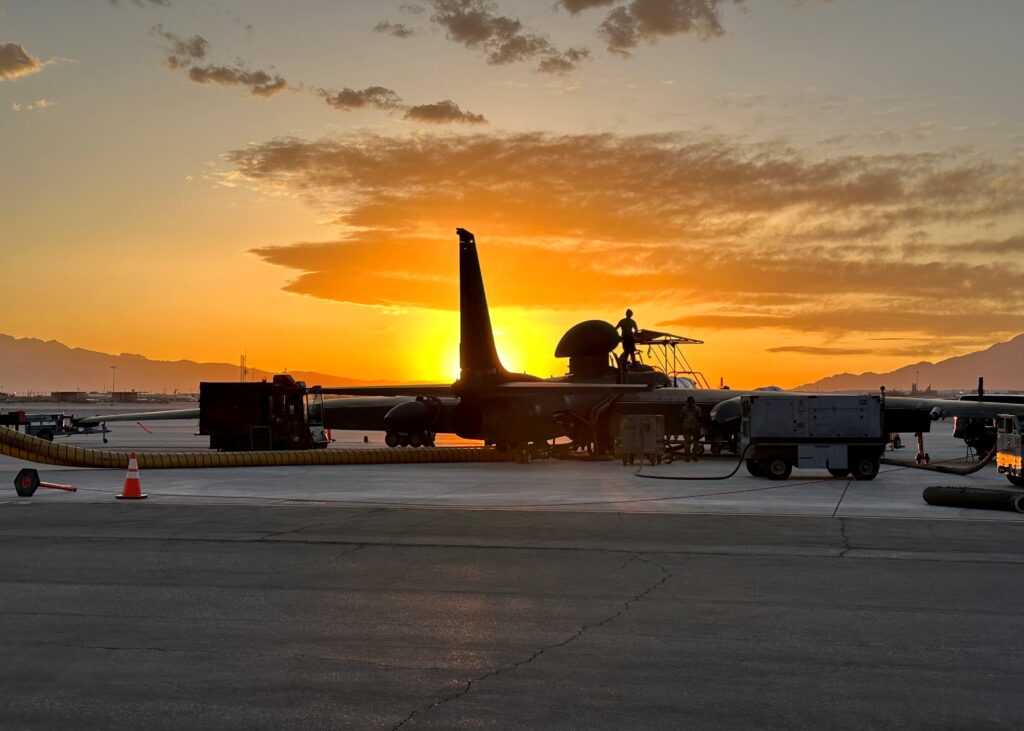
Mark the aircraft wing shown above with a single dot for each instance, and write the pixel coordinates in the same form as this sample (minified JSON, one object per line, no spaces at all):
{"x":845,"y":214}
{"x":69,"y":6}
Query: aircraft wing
{"x":562,"y":389}
{"x":427,"y":389}
{"x":942,"y":408}
{"x":168,"y":415}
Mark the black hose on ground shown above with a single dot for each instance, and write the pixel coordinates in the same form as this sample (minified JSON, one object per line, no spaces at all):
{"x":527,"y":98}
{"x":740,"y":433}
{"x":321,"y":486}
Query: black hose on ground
{"x":974,"y":497}
{"x":940,"y":467}
{"x":701,"y":479}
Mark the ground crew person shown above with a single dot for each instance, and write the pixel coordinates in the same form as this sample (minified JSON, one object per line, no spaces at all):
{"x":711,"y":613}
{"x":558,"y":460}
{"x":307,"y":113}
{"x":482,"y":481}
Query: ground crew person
{"x":692,"y":416}
{"x":627,"y":326}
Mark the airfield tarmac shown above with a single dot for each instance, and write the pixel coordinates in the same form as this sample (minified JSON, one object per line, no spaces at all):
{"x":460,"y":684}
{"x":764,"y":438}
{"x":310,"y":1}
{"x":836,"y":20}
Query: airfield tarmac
{"x":554,"y":594}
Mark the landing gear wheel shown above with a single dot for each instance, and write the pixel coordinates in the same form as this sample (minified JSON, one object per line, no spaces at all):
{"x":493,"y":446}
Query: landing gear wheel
{"x":836,"y":472}
{"x":404,"y":440}
{"x":415,"y":440}
{"x":777,"y":468}
{"x":865,"y":468}
{"x":754,"y":467}
{"x":391,"y":439}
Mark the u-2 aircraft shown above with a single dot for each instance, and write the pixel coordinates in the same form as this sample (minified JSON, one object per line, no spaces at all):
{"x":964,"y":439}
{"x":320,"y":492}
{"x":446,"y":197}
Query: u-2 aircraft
{"x":515,"y":410}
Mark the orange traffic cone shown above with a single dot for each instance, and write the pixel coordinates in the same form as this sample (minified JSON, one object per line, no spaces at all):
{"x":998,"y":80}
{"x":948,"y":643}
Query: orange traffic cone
{"x":132,"y":484}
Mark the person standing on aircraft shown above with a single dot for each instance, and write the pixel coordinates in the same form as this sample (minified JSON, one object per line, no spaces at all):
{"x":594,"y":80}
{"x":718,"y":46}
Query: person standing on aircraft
{"x":627,"y":326}
{"x":692,"y":417}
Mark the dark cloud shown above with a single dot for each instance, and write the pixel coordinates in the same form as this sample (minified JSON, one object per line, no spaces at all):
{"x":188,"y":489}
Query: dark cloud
{"x":503,"y":39}
{"x":443,"y":112}
{"x":372,"y":96}
{"x":398,"y":30}
{"x":736,"y":234}
{"x":813,"y":350}
{"x":577,"y":6}
{"x":626,"y":26}
{"x":186,"y":52}
{"x":260,"y":83}
{"x":15,"y":61}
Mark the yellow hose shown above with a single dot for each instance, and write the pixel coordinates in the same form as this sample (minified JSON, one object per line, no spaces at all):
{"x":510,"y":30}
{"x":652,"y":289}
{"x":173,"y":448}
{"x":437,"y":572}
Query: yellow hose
{"x":22,"y":446}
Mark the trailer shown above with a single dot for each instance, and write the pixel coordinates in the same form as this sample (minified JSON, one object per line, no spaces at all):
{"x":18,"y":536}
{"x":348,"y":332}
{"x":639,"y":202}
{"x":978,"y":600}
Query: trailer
{"x":1008,"y":449}
{"x":242,"y":417}
{"x":842,"y":434}
{"x":48,"y":426}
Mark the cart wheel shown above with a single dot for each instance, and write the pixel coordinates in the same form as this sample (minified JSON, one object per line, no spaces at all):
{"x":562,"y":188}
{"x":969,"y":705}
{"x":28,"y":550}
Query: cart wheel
{"x":754,"y":467}
{"x":391,"y":439}
{"x":698,"y":449}
{"x":716,"y":449}
{"x":778,"y":468}
{"x":415,"y":440}
{"x":865,"y":468}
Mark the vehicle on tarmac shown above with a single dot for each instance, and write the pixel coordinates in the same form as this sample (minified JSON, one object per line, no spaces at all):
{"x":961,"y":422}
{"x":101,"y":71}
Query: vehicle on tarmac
{"x":842,"y":434}
{"x":1008,"y":449}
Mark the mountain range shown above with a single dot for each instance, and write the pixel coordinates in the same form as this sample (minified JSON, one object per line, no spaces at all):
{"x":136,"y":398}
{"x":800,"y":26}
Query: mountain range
{"x":41,"y":366}
{"x":1000,"y":364}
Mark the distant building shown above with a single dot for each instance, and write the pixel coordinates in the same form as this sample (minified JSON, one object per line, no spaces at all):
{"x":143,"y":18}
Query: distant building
{"x":71,"y":397}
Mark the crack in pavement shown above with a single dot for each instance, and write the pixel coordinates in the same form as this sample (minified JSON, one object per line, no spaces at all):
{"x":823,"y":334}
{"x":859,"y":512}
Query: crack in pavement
{"x":666,"y":575}
{"x":846,"y":539}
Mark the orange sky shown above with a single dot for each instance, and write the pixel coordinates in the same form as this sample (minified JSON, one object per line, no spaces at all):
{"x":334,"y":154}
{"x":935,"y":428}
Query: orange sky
{"x":191,"y":181}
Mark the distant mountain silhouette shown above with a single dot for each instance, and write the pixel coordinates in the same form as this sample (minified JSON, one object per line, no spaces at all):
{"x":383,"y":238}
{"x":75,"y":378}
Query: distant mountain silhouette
{"x":28,"y":364}
{"x":1002,"y":365}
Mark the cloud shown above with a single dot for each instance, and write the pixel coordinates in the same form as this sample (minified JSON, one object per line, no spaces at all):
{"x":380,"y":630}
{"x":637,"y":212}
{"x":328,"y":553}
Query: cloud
{"x":443,"y":112}
{"x":578,"y":6}
{"x":186,"y":52}
{"x":812,"y":350}
{"x":372,"y":96}
{"x":260,"y":83}
{"x":15,"y":61}
{"x":398,"y":30}
{"x":648,"y":20}
{"x":37,"y":105}
{"x":728,"y":235}
{"x":476,"y":24}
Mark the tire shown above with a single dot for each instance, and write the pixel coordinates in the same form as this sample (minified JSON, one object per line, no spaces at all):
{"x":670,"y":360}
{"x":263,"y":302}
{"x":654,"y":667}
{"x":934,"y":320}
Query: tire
{"x":1016,"y":480}
{"x":777,"y":468}
{"x":698,"y":449}
{"x":415,"y":440}
{"x":391,"y":439}
{"x":836,"y":472}
{"x":46,"y":434}
{"x":865,"y":468}
{"x":754,"y":467}
{"x":403,"y":440}
{"x":716,"y":449}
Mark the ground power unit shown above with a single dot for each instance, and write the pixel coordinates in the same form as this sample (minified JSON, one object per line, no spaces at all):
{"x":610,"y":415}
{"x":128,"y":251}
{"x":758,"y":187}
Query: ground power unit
{"x":841,"y":434}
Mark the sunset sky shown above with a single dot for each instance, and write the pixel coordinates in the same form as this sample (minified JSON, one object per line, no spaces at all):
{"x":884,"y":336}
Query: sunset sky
{"x":810,"y":187}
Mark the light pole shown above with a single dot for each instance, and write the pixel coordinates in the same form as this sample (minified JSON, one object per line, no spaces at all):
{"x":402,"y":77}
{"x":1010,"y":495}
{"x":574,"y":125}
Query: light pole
{"x":113,"y":375}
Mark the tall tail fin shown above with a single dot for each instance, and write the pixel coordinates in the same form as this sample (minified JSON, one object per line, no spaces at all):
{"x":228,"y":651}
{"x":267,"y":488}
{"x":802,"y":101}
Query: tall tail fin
{"x":478,"y":358}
